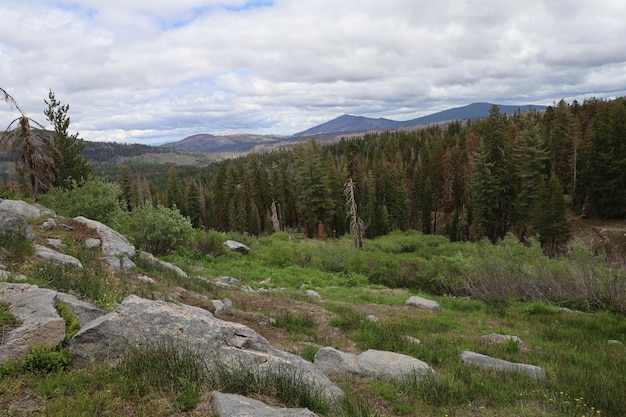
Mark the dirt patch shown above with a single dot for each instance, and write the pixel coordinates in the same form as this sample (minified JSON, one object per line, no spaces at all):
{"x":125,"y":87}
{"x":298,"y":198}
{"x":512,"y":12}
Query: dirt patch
{"x":257,"y":310}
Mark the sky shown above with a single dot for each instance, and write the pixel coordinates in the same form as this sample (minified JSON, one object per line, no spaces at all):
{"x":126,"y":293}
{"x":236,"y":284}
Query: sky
{"x":155,"y":71}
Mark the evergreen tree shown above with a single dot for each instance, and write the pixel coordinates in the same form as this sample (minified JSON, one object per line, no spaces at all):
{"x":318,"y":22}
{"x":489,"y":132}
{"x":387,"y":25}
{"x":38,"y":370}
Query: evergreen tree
{"x":532,"y":160}
{"x":126,"y":187}
{"x":193,"y":197}
{"x":174,"y":192}
{"x":550,"y":218}
{"x":605,"y":174}
{"x":69,"y":165}
{"x":315,"y":203}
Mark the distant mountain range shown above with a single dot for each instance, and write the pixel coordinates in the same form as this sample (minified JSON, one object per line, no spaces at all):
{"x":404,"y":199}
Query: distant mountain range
{"x":342,"y":126}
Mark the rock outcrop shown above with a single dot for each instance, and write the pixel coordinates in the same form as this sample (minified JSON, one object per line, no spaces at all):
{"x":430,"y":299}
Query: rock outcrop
{"x":24,"y":209}
{"x":12,"y":223}
{"x":423,"y":303}
{"x":162,"y":265}
{"x":377,"y":363}
{"x":115,"y":247}
{"x":140,"y":321}
{"x":236,"y":246}
{"x":40,"y":324}
{"x":487,"y":362}
{"x":45,"y":254}
{"x":232,"y":405}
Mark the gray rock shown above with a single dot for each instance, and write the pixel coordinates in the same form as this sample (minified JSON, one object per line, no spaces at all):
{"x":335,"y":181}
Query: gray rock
{"x":236,"y":246}
{"x":45,"y":254}
{"x":413,"y":340}
{"x":371,"y":318}
{"x":487,"y":362}
{"x":6,"y":275}
{"x":146,"y":279}
{"x":615,"y":342}
{"x":233,"y":405}
{"x":115,"y":247}
{"x":91,"y":243}
{"x":24,"y":209}
{"x":162,"y":265}
{"x":423,"y":303}
{"x":49,"y":224}
{"x":219,"y":306}
{"x":227,"y":281}
{"x":329,"y":359}
{"x":378,"y":363}
{"x":40,"y":324}
{"x":56,"y":243}
{"x":12,"y":222}
{"x":138,"y":321}
{"x":86,"y":312}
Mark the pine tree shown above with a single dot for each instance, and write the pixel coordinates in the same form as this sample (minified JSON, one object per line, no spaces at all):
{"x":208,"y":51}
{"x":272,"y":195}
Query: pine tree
{"x":315,"y":203}
{"x":174,"y":192}
{"x":605,"y":174}
{"x":550,"y":217}
{"x":70,"y":167}
{"x":126,"y":187}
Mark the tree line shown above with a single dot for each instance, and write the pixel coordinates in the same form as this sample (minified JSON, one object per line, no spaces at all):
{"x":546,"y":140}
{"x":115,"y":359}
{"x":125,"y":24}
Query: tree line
{"x":469,"y":180}
{"x":518,"y":173}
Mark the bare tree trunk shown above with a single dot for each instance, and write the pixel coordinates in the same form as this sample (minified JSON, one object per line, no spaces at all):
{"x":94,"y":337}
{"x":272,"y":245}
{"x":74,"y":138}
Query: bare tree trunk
{"x":356,"y":223}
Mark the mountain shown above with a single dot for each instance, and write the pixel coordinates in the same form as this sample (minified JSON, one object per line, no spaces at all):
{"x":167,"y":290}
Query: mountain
{"x":348,"y":123}
{"x":342,"y":126}
{"x":237,"y":143}
{"x":352,"y":124}
{"x":471,"y":111}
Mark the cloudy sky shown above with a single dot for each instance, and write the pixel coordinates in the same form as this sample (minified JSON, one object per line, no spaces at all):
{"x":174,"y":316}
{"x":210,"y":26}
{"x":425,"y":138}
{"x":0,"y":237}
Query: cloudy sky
{"x":152,"y":71}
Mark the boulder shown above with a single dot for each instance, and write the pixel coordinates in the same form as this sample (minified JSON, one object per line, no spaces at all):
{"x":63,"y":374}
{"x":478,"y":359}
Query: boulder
{"x":137,"y":321}
{"x":12,"y":222}
{"x":115,"y":247}
{"x":378,"y":363}
{"x":40,"y":324}
{"x":45,"y":254}
{"x":86,"y":312}
{"x":329,"y":359}
{"x":423,"y":303}
{"x":162,"y":265}
{"x":233,"y":405}
{"x":487,"y":362}
{"x":236,"y":246}
{"x":49,"y":224}
{"x":24,"y":209}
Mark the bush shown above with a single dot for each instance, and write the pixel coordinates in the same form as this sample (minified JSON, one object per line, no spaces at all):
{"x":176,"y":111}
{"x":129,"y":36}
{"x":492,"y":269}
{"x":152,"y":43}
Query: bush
{"x":160,"y":230}
{"x":95,"y":199}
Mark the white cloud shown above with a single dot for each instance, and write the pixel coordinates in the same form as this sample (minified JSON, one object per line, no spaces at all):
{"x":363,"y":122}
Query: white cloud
{"x":155,"y":70}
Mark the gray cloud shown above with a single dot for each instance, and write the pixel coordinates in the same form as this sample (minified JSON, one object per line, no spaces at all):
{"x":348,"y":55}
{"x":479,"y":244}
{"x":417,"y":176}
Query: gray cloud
{"x":158,"y":70}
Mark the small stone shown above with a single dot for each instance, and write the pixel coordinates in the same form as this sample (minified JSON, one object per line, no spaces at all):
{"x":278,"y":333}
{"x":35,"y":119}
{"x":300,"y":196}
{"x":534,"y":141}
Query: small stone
{"x":423,"y":303}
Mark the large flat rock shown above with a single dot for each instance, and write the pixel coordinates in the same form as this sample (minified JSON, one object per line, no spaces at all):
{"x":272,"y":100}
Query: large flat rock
{"x":40,"y":324}
{"x":138,"y":321}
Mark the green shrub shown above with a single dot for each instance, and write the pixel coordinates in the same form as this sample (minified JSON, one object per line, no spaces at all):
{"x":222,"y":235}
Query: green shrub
{"x":160,"y":230}
{"x":209,"y":243}
{"x":96,"y":199}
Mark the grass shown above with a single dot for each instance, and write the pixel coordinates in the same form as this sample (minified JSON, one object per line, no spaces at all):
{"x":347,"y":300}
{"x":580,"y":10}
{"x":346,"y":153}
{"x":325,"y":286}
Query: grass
{"x":482,"y":289}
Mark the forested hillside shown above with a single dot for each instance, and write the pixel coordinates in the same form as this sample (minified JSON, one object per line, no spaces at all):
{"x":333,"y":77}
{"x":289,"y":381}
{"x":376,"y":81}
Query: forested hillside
{"x":469,"y":180}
